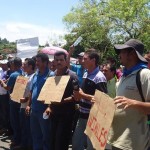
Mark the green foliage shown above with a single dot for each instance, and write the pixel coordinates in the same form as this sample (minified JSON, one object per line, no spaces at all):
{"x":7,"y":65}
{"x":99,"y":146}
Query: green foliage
{"x":6,"y":46}
{"x":102,"y":23}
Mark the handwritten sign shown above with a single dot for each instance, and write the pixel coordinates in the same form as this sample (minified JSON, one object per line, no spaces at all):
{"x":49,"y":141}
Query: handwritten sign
{"x":53,"y":89}
{"x":19,"y":88}
{"x":100,"y":119}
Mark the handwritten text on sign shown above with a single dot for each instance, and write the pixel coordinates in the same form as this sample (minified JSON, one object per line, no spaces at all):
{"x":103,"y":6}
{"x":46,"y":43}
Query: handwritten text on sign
{"x":20,"y":85}
{"x":100,"y":119}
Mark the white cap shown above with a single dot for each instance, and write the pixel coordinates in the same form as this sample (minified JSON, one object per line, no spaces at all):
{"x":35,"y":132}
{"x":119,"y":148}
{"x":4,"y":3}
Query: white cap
{"x":5,"y":61}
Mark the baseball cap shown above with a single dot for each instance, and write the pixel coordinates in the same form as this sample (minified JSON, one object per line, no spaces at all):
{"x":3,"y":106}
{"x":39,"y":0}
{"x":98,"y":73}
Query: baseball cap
{"x":135,"y":44}
{"x":81,"y":54}
{"x":4,"y":61}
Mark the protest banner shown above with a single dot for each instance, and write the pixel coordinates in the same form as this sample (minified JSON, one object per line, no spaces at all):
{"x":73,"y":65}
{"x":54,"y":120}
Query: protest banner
{"x":19,"y":88}
{"x":100,"y":119}
{"x":27,"y":48}
{"x":53,"y":89}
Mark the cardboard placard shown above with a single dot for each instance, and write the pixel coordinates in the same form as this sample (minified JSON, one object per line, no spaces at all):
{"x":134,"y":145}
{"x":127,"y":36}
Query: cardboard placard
{"x":19,"y":88}
{"x":100,"y":119}
{"x":53,"y":89}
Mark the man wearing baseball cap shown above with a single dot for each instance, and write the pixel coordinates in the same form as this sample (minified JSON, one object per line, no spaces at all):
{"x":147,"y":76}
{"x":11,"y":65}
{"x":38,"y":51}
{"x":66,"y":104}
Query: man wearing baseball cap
{"x":129,"y":129}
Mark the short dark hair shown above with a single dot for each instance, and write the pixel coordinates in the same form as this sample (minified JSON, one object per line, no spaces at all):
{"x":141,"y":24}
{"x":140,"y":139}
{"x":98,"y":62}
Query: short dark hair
{"x":60,"y":53}
{"x":17,"y":62}
{"x":43,"y":56}
{"x":93,"y":54}
{"x":10,"y":61}
{"x":31,"y":62}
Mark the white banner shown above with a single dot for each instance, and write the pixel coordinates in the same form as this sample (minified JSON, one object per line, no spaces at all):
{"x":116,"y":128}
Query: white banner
{"x":27,"y":48}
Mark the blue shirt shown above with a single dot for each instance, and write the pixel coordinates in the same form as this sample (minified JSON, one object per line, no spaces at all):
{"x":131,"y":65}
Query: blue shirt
{"x":79,"y":70}
{"x":12,"y":79}
{"x":36,"y":86}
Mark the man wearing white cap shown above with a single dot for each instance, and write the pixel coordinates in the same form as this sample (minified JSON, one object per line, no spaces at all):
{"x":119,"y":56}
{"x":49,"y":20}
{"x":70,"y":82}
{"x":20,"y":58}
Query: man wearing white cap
{"x":129,"y":130}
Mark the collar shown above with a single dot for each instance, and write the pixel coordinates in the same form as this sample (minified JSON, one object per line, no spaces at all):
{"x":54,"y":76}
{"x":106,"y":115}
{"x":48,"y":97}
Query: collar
{"x":94,"y":71}
{"x":66,"y":71}
{"x":138,"y":66}
{"x":45,"y":73}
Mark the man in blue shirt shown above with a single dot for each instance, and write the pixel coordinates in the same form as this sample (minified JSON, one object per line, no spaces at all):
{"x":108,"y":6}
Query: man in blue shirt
{"x":14,"y":106}
{"x":77,"y":67}
{"x":40,"y":127}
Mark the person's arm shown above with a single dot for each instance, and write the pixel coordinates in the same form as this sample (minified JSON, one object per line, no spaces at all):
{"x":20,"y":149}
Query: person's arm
{"x":81,"y":95}
{"x":71,"y":50}
{"x":124,"y":103}
{"x":4,"y":85}
{"x":27,"y":110}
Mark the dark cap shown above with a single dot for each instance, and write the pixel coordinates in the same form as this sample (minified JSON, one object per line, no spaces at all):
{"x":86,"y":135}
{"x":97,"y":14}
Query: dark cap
{"x":134,"y":44}
{"x":81,"y":54}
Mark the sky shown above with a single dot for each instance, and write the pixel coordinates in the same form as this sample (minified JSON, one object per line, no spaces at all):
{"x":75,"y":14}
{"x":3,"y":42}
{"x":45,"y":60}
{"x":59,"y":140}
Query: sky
{"x":21,"y":19}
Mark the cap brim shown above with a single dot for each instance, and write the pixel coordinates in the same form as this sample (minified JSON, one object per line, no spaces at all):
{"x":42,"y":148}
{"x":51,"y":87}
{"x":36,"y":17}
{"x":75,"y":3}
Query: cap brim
{"x":119,"y":47}
{"x":141,"y":57}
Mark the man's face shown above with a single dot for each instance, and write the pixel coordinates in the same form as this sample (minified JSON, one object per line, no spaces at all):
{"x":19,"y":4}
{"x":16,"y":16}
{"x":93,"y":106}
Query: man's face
{"x":39,"y":64}
{"x":124,"y":57}
{"x":80,"y":60}
{"x":86,"y":61}
{"x":107,"y":72}
{"x":60,"y":62}
{"x":25,"y":66}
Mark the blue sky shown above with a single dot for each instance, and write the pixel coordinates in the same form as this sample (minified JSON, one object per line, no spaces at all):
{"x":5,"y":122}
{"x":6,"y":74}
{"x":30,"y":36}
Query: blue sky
{"x":29,"y":18}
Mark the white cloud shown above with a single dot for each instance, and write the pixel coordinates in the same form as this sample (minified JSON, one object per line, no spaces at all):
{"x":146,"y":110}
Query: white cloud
{"x":16,"y":30}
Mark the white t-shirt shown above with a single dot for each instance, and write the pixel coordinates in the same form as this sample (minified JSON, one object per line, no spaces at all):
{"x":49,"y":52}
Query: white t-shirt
{"x":2,"y":90}
{"x":27,"y":90}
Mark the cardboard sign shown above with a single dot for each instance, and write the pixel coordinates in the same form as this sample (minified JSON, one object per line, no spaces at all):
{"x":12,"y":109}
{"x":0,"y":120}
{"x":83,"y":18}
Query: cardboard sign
{"x":19,"y":88}
{"x":53,"y":89}
{"x":100,"y":119}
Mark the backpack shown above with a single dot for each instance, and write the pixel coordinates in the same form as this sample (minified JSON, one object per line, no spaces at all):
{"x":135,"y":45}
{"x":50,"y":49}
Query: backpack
{"x":138,"y":83}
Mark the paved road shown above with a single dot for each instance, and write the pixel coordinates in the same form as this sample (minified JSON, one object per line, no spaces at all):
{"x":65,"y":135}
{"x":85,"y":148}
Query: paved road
{"x":4,"y":143}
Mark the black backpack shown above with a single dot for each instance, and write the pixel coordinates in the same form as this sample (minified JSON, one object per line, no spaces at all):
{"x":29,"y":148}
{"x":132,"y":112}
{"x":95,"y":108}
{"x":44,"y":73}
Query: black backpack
{"x":138,"y":83}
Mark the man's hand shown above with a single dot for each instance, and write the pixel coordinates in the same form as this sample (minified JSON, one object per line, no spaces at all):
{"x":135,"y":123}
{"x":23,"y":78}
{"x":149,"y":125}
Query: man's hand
{"x":124,"y":103}
{"x":47,"y":111}
{"x":71,"y":50}
{"x":77,"y":94}
{"x":1,"y":83}
{"x":27,"y":110}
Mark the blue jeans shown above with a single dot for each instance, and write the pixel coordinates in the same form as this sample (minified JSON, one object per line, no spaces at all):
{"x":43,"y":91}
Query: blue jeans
{"x":15,"y":121}
{"x":40,"y":131}
{"x":79,"y":138}
{"x":26,"y":140}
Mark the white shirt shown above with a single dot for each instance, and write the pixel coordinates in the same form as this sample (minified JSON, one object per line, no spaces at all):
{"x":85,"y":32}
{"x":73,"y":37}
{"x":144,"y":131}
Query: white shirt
{"x":27,"y":90}
{"x":2,"y":90}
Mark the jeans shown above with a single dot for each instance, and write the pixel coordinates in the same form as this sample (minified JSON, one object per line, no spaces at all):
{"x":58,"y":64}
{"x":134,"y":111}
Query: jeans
{"x":61,"y":130}
{"x":15,"y":121}
{"x":26,"y":140}
{"x":40,"y":131}
{"x":79,"y":137}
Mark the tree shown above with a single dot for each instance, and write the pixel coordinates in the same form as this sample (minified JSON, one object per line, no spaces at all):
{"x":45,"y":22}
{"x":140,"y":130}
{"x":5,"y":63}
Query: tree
{"x":87,"y":20}
{"x":102,"y":23}
{"x":129,"y":19}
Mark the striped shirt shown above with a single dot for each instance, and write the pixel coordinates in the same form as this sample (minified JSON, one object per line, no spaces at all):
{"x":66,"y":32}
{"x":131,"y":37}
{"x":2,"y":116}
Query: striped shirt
{"x":91,"y":82}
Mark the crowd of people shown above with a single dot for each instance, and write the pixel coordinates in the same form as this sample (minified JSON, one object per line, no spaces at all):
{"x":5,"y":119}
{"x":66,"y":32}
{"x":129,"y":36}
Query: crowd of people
{"x":38,"y":126}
